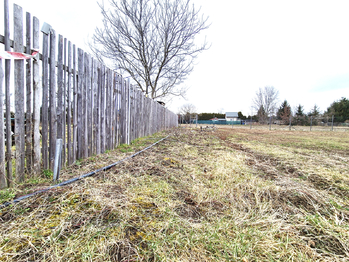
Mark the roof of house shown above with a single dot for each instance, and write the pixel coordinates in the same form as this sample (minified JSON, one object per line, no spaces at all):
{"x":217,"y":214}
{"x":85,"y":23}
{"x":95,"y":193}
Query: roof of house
{"x":231,"y":114}
{"x":217,"y":119}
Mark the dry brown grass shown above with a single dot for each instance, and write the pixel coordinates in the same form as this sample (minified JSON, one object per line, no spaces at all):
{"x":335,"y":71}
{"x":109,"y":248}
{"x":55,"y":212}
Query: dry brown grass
{"x":229,"y":194}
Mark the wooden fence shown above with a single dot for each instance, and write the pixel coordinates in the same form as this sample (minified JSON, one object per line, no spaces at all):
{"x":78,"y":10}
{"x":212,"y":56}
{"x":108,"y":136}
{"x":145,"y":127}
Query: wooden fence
{"x":64,"y":93}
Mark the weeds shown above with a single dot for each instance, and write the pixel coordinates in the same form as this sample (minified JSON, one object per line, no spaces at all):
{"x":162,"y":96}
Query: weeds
{"x":228,"y":195}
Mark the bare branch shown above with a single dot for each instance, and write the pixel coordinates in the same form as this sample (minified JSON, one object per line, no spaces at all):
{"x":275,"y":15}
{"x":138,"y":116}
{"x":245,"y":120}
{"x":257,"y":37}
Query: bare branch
{"x":151,"y":40}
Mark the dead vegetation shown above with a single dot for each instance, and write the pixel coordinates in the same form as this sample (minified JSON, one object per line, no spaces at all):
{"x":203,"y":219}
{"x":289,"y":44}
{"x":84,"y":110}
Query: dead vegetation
{"x":226,"y":195}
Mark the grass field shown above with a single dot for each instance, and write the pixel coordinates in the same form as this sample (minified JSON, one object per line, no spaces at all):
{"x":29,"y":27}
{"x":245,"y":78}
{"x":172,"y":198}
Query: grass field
{"x":230,"y":194}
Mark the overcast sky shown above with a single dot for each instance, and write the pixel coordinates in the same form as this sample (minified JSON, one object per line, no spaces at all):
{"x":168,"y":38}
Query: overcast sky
{"x":299,"y":47}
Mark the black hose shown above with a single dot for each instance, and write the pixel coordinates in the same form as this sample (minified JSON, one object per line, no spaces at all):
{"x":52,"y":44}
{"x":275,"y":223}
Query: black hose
{"x":72,"y":180}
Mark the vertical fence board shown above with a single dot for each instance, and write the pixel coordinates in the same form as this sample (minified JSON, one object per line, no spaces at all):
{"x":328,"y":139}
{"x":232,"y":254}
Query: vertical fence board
{"x":89,"y":100}
{"x":102,"y":107}
{"x":98,"y":109}
{"x":122,"y":111}
{"x":36,"y":101}
{"x":53,"y":98}
{"x":69,"y":102}
{"x":28,"y":121}
{"x":65,"y":70}
{"x":111,"y":91}
{"x":132,"y":137}
{"x":7,"y":96}
{"x":110,"y":111}
{"x":117,"y":108}
{"x":19,"y":93}
{"x":80,"y":109}
{"x":3,"y":182}
{"x":75,"y":107}
{"x":113,"y":109}
{"x":95,"y":105}
{"x":107,"y":119}
{"x":60,"y":88}
{"x":84,"y":108}
{"x":45,"y":93}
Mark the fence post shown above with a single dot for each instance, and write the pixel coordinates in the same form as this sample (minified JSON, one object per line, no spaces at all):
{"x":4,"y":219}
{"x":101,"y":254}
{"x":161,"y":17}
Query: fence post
{"x":290,"y":124}
{"x":311,"y":122}
{"x":332,"y":123}
{"x":270,"y":123}
{"x":58,"y":158}
{"x":7,"y":96}
{"x":52,"y":100}
{"x":251,"y":122}
{"x":28,"y":115}
{"x":36,"y":100}
{"x":19,"y":93}
{"x":3,"y":183}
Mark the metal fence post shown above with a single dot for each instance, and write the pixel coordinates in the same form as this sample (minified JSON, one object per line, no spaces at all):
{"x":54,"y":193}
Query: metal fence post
{"x":58,"y":159}
{"x":311,"y":122}
{"x":332,"y":122}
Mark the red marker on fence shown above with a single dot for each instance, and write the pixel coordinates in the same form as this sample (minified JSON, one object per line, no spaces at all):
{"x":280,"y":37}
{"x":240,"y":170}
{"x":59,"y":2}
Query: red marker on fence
{"x":16,"y":55}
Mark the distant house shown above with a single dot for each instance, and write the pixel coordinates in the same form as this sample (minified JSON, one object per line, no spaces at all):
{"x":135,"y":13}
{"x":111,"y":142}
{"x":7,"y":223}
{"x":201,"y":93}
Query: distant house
{"x":231,"y":116}
{"x":217,"y":119}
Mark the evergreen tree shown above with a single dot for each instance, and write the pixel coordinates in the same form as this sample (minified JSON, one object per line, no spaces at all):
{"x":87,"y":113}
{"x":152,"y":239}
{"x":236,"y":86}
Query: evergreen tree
{"x":315,"y":111}
{"x":340,"y":109}
{"x":300,"y":116}
{"x":315,"y":114}
{"x":284,"y":112}
{"x":300,"y":110}
{"x":241,"y":116}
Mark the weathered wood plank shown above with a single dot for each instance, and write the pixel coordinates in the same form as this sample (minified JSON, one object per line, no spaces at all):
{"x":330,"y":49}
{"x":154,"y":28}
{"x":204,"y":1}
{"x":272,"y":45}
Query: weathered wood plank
{"x":75,"y":108}
{"x":98,"y":109}
{"x":65,"y":71}
{"x":84,"y":108}
{"x":28,"y":122}
{"x":122,"y":111}
{"x":117,"y":106}
{"x":102,"y":92}
{"x":131,"y":113}
{"x":36,"y":101}
{"x":114,"y":110}
{"x":89,"y":119}
{"x":60,"y":88}
{"x":3,"y":182}
{"x":45,"y":94}
{"x":107,"y":110}
{"x":19,"y":93}
{"x":69,"y":102}
{"x":7,"y":96}
{"x":53,"y":99}
{"x":80,"y":108}
{"x":128,"y":110}
{"x":110,"y":109}
{"x":95,"y":105}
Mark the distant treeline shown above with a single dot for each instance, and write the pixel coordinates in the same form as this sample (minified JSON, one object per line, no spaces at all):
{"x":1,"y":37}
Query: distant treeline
{"x":208,"y":116}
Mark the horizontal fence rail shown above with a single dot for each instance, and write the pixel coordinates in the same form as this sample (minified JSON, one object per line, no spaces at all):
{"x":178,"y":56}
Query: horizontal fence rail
{"x":63,"y":93}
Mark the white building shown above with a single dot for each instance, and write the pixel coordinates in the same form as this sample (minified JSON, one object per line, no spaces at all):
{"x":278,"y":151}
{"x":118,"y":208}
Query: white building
{"x":231,"y":116}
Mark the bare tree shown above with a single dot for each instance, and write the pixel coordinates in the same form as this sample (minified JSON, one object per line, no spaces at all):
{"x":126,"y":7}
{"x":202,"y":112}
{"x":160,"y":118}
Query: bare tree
{"x":151,"y":40}
{"x":266,"y":98}
{"x":187,"y":111}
